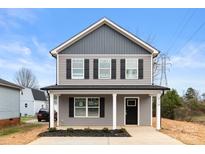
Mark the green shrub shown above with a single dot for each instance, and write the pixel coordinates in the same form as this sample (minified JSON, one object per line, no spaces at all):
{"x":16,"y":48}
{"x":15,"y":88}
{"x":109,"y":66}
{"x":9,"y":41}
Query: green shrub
{"x":106,"y":130}
{"x":70,"y":129}
{"x":87,"y":129}
{"x":52,"y":129}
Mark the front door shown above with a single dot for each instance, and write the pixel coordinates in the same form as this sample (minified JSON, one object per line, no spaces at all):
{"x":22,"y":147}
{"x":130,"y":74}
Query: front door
{"x":131,"y":111}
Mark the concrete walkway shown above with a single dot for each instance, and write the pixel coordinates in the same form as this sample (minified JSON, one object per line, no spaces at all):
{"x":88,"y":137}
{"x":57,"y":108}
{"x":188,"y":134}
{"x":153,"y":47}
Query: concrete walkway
{"x":140,"y":135}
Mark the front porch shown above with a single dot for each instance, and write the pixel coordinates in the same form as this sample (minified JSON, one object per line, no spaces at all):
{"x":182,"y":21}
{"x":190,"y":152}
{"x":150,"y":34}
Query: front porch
{"x":115,"y":108}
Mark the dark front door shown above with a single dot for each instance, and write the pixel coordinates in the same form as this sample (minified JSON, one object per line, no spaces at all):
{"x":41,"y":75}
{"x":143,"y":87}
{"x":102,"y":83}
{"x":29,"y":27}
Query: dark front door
{"x":131,"y":110}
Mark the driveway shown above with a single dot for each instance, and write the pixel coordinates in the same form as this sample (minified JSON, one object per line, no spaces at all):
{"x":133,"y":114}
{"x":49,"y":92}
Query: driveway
{"x":140,"y":135}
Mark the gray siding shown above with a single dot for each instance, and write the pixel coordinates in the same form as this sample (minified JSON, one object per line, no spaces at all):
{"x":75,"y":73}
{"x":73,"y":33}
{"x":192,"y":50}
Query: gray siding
{"x":104,"y":40}
{"x":62,"y":69}
{"x":9,"y":103}
{"x":145,"y":108}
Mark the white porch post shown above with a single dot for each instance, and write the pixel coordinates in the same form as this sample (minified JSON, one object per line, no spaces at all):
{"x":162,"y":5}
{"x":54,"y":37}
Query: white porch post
{"x":158,"y":112}
{"x":51,"y":111}
{"x":114,"y":109}
{"x":57,"y":101}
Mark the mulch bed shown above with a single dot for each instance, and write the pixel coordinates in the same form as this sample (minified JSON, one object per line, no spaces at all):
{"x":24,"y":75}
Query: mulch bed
{"x":85,"y":133}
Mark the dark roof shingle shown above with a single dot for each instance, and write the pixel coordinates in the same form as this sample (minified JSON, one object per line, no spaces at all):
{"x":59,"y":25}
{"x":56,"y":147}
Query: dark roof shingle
{"x":105,"y":87}
{"x":9,"y":84}
{"x":38,"y":95}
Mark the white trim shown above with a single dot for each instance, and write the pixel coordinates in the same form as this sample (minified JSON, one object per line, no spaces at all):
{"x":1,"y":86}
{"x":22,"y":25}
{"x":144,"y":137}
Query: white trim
{"x":114,"y":111}
{"x":158,"y":112}
{"x":106,"y":68}
{"x":57,"y":69}
{"x":138,"y":110}
{"x":86,"y":108}
{"x":151,"y":69}
{"x":126,"y":60}
{"x":151,"y":110}
{"x":73,"y":77}
{"x":97,"y":25}
{"x":58,"y":113}
{"x":51,"y":110}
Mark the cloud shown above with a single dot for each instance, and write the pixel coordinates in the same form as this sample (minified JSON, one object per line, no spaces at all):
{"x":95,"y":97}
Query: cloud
{"x":13,"y":18}
{"x":15,"y":47}
{"x":191,"y":56}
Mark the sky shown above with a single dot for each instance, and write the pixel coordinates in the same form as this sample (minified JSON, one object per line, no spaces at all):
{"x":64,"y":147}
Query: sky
{"x":27,"y":36}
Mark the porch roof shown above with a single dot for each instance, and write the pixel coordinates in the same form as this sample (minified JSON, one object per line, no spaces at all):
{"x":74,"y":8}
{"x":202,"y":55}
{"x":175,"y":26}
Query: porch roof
{"x":105,"y":87}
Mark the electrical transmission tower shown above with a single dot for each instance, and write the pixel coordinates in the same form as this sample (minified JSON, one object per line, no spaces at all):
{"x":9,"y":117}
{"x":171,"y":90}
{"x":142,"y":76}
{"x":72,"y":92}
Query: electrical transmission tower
{"x":164,"y":63}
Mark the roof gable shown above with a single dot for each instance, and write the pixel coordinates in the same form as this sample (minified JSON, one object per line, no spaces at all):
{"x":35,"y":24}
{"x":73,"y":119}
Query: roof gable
{"x":95,"y":26}
{"x":104,"y":40}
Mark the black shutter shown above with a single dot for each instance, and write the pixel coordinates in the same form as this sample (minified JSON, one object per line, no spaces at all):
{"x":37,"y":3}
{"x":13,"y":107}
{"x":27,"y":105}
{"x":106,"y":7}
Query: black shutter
{"x":71,"y":107}
{"x":86,"y":69}
{"x":113,"y":71}
{"x":122,"y":68}
{"x":68,"y":69}
{"x":102,"y":107}
{"x":140,"y":69}
{"x":95,"y":69}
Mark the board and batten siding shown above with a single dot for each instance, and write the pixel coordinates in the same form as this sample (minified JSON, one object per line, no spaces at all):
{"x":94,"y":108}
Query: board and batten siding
{"x":146,"y":75}
{"x":104,"y":40}
{"x":9,"y":103}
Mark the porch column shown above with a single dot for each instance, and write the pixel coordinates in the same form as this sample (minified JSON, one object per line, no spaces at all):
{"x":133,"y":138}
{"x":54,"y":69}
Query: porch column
{"x":57,"y":101}
{"x":114,"y":110}
{"x":158,"y":112}
{"x":51,"y":123}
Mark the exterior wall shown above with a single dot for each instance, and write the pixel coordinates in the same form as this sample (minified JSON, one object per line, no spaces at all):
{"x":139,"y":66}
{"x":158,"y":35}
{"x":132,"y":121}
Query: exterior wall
{"x":104,"y":40}
{"x":9,"y":103}
{"x":27,"y":97}
{"x":38,"y":105}
{"x":145,"y":111}
{"x":147,"y":79}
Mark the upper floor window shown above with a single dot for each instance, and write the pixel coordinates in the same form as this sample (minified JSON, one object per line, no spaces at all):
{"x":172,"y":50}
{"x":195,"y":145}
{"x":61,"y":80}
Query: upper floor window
{"x":77,"y":67}
{"x":104,"y":68}
{"x":131,"y":68}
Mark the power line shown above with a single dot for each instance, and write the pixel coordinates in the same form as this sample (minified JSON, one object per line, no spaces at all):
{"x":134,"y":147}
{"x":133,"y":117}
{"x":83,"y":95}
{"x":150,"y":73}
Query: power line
{"x":192,"y":36}
{"x":181,"y":30}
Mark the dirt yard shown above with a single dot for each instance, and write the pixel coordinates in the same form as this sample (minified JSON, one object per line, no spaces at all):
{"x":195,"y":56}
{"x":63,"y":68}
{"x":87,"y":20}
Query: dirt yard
{"x":23,"y":137}
{"x":186,"y":132}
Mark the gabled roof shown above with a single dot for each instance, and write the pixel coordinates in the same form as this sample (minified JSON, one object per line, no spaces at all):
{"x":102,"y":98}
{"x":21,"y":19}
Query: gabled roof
{"x":98,"y":24}
{"x":9,"y":84}
{"x":38,"y":95}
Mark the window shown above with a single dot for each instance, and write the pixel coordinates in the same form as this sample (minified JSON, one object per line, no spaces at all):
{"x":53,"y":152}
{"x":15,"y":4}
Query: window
{"x":77,"y":68}
{"x":26,"y":105}
{"x":86,"y":107}
{"x":131,"y":68}
{"x":104,"y":68}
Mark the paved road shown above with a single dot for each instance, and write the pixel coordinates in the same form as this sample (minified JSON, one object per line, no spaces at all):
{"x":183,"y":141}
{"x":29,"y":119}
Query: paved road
{"x":140,"y":135}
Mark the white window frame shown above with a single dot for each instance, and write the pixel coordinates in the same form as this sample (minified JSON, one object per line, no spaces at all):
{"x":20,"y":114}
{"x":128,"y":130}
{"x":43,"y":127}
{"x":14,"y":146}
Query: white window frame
{"x":74,"y":77}
{"x":86,"y":108}
{"x":126,"y":67}
{"x":99,"y":69}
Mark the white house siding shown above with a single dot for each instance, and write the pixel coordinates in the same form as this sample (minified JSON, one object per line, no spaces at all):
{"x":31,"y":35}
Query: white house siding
{"x":9,"y":103}
{"x":27,"y":97}
{"x":38,"y":105}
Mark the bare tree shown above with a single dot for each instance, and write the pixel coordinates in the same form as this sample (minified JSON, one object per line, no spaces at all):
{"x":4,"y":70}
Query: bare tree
{"x":26,"y":78}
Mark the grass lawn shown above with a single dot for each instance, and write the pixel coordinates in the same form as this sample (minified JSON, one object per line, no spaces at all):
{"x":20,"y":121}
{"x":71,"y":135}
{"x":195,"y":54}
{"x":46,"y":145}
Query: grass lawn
{"x":19,"y":128}
{"x":26,"y":118}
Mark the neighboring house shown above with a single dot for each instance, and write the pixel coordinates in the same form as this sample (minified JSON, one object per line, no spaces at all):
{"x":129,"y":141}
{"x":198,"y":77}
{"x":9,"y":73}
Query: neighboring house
{"x":104,"y":78}
{"x":9,"y":103}
{"x":31,"y":101}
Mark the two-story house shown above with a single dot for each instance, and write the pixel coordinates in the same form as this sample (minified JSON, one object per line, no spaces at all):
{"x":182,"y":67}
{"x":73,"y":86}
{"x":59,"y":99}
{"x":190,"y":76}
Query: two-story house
{"x":104,"y":78}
